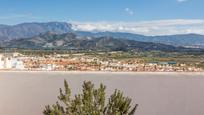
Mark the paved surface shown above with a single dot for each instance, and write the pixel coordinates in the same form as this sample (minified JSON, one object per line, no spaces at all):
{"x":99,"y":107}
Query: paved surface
{"x":26,"y":93}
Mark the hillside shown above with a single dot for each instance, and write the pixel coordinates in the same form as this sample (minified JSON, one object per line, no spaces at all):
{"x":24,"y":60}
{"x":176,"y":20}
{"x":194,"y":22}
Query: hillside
{"x":71,"y":41}
{"x":26,"y":30}
{"x":185,"y":40}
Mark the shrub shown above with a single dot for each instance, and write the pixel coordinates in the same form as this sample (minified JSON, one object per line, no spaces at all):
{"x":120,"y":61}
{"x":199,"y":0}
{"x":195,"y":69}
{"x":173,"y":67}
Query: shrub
{"x":92,"y":101}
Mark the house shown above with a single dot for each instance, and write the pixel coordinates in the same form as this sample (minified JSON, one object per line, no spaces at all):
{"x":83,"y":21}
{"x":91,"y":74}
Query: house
{"x":8,"y":61}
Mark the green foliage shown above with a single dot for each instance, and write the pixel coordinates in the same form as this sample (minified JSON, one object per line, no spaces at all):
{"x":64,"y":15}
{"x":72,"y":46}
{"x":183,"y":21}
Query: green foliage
{"x":201,"y":65}
{"x":92,"y":101}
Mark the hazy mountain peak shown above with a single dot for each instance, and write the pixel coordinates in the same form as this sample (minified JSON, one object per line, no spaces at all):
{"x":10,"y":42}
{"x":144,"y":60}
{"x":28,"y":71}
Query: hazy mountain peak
{"x":26,"y":30}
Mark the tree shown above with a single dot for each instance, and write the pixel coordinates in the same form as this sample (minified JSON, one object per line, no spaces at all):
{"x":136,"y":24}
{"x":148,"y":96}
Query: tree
{"x":92,"y":101}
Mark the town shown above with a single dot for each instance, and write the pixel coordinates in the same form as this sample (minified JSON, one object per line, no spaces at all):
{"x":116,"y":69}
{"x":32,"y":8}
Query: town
{"x":81,"y":62}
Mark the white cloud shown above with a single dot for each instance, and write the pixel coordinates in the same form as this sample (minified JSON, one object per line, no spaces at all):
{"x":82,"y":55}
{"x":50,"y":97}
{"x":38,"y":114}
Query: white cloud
{"x":159,"y":27}
{"x":129,"y":11}
{"x":181,"y":1}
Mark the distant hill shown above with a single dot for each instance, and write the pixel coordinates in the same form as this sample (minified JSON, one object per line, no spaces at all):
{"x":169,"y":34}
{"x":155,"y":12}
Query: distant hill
{"x":185,"y":40}
{"x":28,"y":30}
{"x":25,"y":30}
{"x":72,"y":41}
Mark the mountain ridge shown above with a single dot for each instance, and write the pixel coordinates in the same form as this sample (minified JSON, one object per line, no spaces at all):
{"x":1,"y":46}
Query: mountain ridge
{"x":24,"y":30}
{"x":27,"y":30}
{"x":184,"y":40}
{"x":72,"y":41}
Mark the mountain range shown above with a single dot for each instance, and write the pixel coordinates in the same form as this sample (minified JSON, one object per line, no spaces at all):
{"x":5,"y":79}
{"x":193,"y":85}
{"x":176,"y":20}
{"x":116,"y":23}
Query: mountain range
{"x":184,"y":40}
{"x":26,"y":30}
{"x":51,"y":30}
{"x":72,"y":41}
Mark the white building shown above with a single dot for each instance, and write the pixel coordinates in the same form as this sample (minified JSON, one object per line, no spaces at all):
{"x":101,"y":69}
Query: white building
{"x":8,"y":62}
{"x":48,"y":67}
{"x":1,"y":61}
{"x":17,"y":64}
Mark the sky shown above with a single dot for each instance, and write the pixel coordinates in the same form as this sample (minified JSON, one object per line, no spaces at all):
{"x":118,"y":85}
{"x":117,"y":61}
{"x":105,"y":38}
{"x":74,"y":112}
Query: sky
{"x":135,"y":16}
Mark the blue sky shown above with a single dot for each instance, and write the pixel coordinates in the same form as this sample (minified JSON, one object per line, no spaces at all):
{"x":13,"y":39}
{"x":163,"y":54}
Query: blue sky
{"x":17,"y":11}
{"x":147,"y":17}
